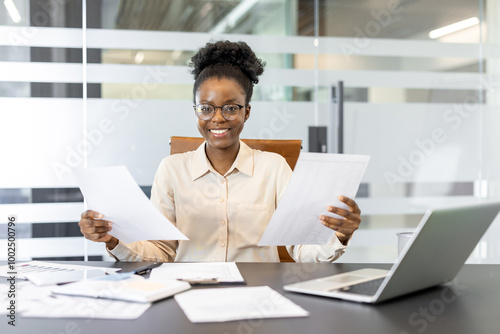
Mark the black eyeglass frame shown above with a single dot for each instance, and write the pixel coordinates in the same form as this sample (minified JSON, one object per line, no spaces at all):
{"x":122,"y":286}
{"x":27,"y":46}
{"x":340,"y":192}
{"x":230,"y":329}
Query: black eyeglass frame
{"x":218,"y":107}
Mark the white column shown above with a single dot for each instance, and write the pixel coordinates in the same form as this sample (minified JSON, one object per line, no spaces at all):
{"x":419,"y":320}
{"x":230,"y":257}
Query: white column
{"x":491,"y":133}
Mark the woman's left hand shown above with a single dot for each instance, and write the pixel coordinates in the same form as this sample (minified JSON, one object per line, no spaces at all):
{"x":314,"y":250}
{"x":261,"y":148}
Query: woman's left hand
{"x":344,"y":227}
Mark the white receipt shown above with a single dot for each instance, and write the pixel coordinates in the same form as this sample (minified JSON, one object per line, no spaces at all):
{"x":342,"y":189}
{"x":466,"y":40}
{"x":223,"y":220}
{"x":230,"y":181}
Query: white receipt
{"x":228,"y":304}
{"x":317,"y":181}
{"x":221,"y":271}
{"x":113,"y":192}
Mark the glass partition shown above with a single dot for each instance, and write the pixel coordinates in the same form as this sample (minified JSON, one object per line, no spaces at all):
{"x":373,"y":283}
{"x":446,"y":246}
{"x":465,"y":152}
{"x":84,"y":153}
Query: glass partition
{"x":113,"y":90}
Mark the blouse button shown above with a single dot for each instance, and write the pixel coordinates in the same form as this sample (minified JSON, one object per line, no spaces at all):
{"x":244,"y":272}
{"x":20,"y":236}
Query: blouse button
{"x":222,"y":200}
{"x":222,"y":244}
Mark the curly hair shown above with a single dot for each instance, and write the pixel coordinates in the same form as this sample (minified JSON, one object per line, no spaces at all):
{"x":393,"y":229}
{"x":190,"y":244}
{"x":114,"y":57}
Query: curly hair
{"x":225,"y":59}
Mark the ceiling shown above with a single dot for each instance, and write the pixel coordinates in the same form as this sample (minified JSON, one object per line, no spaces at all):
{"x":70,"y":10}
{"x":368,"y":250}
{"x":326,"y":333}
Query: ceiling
{"x":339,"y":18}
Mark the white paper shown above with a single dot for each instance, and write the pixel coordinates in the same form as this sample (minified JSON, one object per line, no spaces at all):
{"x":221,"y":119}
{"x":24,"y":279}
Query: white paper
{"x":22,"y":268}
{"x":317,"y":181}
{"x":82,"y":307}
{"x":228,"y":304}
{"x":113,"y":192}
{"x":34,"y":301}
{"x":222,"y":271}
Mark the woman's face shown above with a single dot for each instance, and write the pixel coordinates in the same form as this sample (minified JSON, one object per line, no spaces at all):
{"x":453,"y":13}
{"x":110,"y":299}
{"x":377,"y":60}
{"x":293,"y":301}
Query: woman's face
{"x":219,"y":132}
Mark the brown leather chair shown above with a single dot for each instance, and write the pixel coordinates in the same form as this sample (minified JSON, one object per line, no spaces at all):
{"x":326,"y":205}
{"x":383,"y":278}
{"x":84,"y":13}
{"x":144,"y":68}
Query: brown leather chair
{"x":289,"y":149}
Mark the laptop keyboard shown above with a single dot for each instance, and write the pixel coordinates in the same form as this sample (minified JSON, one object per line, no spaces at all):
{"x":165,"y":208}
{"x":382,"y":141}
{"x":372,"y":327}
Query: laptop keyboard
{"x":366,"y":288}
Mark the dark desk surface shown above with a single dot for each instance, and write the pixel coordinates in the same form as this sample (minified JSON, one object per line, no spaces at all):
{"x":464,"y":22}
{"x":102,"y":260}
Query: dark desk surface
{"x":470,"y":305}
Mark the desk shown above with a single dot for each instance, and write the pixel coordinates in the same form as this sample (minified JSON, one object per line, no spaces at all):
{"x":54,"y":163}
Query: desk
{"x":470,"y":306}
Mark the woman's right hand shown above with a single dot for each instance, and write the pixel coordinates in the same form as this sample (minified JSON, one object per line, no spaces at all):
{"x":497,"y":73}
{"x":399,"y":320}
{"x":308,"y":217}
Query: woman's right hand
{"x":94,"y":228}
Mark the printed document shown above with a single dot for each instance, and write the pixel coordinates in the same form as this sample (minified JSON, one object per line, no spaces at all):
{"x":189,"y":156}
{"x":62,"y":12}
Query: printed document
{"x":242,"y":303}
{"x":221,"y":272}
{"x":113,"y":192}
{"x":317,"y":181}
{"x":39,"y":302}
{"x":35,"y":267}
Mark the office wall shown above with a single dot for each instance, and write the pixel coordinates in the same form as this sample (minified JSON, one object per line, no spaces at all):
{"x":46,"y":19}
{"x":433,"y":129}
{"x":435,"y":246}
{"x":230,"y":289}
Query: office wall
{"x":113,"y":90}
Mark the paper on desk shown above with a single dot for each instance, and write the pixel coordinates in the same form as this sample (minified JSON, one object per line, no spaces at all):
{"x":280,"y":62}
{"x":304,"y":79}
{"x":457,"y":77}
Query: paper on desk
{"x":82,"y":307}
{"x":242,"y":303}
{"x":222,"y":271}
{"x":113,"y":192}
{"x":22,"y":268}
{"x":39,"y":302}
{"x":317,"y":181}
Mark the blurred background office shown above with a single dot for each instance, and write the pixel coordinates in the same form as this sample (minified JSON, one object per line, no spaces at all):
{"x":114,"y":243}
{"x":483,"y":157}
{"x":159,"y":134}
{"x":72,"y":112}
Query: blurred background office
{"x":413,"y":83}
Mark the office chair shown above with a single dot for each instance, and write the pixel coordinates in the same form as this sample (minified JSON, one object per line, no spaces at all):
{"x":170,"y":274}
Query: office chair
{"x":289,"y":149}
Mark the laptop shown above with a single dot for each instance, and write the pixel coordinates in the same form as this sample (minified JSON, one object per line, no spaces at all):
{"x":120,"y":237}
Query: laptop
{"x":442,"y":242}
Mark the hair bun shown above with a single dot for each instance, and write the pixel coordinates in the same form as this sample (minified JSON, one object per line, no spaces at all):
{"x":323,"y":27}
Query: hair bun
{"x":225,"y":52}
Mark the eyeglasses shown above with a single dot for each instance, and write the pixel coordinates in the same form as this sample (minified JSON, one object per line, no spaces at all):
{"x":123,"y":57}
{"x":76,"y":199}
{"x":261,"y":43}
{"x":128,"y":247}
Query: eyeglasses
{"x":206,"y":112}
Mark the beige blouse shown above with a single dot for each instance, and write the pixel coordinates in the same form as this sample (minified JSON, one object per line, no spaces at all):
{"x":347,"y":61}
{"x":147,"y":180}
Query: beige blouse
{"x":223,"y":216}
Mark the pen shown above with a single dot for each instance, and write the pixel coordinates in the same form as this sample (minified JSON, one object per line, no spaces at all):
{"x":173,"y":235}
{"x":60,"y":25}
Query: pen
{"x":145,"y":269}
{"x":193,"y":281}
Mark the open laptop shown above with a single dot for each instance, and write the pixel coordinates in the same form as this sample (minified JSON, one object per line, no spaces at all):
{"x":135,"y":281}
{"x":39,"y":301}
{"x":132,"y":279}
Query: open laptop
{"x":441,"y":244}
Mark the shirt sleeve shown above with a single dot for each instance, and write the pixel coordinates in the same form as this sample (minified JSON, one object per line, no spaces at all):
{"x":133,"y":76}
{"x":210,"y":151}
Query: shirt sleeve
{"x":317,"y":253}
{"x":308,"y":253}
{"x":162,"y":197}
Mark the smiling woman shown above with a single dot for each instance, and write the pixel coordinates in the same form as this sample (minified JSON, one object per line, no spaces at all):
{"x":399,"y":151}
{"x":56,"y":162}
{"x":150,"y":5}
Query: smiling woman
{"x":222,"y":195}
{"x":225,"y":73}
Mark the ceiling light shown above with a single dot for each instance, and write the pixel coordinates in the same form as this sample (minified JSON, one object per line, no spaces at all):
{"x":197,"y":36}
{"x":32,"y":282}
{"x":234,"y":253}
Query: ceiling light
{"x":453,"y":27}
{"x":13,"y":12}
{"x":139,"y":57}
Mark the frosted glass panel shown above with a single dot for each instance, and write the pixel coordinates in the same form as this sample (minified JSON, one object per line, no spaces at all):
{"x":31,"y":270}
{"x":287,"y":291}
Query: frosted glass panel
{"x":414,"y":143}
{"x":138,"y":133}
{"x":42,"y":139}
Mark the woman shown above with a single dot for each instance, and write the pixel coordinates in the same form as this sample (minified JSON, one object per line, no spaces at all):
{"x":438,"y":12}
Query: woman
{"x":222,"y":195}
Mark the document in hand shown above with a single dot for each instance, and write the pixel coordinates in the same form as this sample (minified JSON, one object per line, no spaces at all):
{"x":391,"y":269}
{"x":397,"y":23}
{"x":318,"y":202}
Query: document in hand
{"x":134,"y":289}
{"x":317,"y":181}
{"x":113,"y":192}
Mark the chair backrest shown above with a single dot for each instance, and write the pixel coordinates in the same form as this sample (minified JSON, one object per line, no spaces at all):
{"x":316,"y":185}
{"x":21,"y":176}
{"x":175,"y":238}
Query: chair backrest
{"x":289,"y":149}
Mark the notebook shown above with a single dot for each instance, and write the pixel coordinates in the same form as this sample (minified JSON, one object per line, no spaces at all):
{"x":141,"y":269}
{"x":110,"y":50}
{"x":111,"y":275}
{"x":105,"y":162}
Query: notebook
{"x":441,"y":244}
{"x":132,"y":288}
